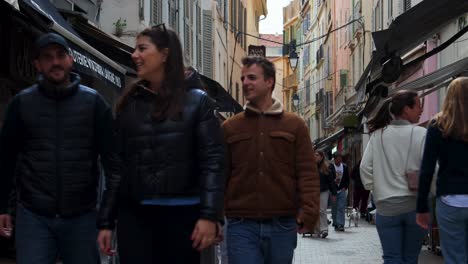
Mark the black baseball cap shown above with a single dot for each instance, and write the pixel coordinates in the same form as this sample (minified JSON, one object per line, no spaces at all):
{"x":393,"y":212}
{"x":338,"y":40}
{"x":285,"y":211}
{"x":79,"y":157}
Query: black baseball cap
{"x":50,"y":38}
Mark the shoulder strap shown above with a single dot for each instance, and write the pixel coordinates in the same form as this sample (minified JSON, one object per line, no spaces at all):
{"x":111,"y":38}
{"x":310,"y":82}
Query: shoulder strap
{"x":409,"y":148}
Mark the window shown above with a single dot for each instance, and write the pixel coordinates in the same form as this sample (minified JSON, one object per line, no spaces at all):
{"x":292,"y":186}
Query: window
{"x":141,"y":10}
{"x":343,"y":78}
{"x":307,"y":87}
{"x":390,"y":10}
{"x":207,"y":44}
{"x":377,"y":17}
{"x":156,"y":12}
{"x":407,"y":5}
{"x":173,"y":14}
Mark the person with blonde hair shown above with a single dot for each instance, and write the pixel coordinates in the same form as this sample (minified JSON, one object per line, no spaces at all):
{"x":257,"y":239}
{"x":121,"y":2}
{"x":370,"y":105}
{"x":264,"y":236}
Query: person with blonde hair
{"x":447,"y":144}
{"x":391,"y":158}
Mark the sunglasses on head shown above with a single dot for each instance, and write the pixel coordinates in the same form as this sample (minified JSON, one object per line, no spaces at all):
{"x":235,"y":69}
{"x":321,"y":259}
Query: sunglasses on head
{"x":161,"y":27}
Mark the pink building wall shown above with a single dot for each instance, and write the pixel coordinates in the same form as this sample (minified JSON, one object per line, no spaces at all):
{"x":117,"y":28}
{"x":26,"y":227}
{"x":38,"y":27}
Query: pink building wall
{"x":431,"y":101}
{"x":342,"y":55}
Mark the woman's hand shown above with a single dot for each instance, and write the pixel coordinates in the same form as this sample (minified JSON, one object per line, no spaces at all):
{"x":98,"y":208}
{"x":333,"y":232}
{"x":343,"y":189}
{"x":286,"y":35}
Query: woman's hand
{"x":203,"y":234}
{"x":423,"y":220}
{"x":104,"y":241}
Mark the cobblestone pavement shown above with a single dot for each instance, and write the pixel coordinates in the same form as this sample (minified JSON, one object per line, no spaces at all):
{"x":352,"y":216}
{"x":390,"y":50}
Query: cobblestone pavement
{"x":355,"y":245}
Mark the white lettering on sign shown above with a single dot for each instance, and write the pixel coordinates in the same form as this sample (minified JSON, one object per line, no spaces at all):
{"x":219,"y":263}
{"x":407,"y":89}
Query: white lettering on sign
{"x":89,"y":63}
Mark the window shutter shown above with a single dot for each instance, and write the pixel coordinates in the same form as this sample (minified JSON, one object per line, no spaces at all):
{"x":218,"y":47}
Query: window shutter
{"x":343,"y":78}
{"x":207,"y":44}
{"x":407,"y":5}
{"x":156,"y":12}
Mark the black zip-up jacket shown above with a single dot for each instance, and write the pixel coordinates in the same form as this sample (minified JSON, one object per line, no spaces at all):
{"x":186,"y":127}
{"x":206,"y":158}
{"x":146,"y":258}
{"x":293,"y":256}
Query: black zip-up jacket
{"x":327,"y":181}
{"x":344,"y":183}
{"x":49,"y":143}
{"x":171,"y":158}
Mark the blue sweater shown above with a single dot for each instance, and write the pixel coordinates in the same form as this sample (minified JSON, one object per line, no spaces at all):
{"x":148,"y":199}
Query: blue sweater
{"x":452,"y":177}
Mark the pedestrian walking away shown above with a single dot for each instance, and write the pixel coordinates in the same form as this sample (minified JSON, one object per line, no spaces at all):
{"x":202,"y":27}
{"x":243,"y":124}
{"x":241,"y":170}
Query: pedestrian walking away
{"x":392,"y":156}
{"x":168,"y":148}
{"x":360,"y":194}
{"x":273,"y":186}
{"x":447,"y":145}
{"x":52,"y":136}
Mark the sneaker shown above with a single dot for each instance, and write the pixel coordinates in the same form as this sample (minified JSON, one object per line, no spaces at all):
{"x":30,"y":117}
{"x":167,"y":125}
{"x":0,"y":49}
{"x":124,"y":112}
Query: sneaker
{"x":324,"y":234}
{"x":328,"y":222}
{"x":341,"y":228}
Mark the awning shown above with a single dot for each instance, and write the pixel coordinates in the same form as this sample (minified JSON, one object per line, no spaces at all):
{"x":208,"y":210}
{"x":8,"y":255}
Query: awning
{"x":325,"y":143}
{"x":416,"y":25}
{"x":224,"y":101}
{"x":14,"y":3}
{"x":105,"y":43}
{"x":438,"y":78}
{"x":87,"y":60}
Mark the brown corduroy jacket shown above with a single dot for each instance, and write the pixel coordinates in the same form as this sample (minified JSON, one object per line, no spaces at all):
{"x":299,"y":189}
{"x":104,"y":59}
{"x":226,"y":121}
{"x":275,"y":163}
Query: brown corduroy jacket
{"x":271,"y":169}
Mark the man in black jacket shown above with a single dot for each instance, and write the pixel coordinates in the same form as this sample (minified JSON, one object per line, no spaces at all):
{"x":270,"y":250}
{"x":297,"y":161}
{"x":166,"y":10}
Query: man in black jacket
{"x":342,"y":183}
{"x":52,"y":136}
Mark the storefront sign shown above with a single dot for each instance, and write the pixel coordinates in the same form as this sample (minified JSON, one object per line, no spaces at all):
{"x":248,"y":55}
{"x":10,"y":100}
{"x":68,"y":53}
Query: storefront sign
{"x":257,"y":50}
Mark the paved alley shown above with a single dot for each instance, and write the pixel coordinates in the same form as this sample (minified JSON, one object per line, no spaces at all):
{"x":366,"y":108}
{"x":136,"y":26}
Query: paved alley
{"x":355,"y":245}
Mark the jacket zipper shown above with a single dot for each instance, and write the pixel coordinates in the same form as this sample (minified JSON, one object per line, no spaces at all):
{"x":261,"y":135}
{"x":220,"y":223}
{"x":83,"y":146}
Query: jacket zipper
{"x":57,"y":171}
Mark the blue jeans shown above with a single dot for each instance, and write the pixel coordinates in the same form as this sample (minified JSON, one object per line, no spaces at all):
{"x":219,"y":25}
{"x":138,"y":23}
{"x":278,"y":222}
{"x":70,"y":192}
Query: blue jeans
{"x":40,"y":239}
{"x":268,"y":241}
{"x":453,"y":229}
{"x":338,"y":208}
{"x":401,"y":238}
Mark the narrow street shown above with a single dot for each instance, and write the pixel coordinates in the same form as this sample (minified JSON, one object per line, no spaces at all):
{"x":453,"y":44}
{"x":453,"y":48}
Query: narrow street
{"x":355,"y":245}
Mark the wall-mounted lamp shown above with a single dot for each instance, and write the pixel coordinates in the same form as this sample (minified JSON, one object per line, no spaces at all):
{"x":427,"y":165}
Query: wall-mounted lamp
{"x":295,"y":100}
{"x":293,"y":57}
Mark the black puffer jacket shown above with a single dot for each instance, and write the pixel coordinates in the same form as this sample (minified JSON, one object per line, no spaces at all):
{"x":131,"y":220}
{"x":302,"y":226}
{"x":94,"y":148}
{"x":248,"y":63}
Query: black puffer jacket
{"x":50,"y":141}
{"x":172,"y":158}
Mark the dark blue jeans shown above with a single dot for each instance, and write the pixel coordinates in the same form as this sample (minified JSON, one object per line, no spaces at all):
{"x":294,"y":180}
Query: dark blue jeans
{"x":268,"y":241}
{"x":338,"y":208}
{"x":401,"y":238}
{"x":453,"y":229}
{"x":39,"y":239}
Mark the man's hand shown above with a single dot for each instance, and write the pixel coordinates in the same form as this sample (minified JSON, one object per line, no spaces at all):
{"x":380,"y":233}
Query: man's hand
{"x":220,"y":236}
{"x":5,"y":225}
{"x":423,"y":220}
{"x":204,"y":234}
{"x":301,"y":228}
{"x":105,"y":241}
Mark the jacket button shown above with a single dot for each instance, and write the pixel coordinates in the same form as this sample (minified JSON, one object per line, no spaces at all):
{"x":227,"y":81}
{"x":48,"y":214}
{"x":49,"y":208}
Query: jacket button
{"x":261,"y":133}
{"x":261,"y":153}
{"x":261,"y":173}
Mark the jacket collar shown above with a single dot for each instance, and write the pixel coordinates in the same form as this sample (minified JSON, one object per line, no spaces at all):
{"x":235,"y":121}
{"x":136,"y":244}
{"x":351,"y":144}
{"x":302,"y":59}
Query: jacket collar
{"x":275,"y":109}
{"x":400,"y":122}
{"x":58,"y":92}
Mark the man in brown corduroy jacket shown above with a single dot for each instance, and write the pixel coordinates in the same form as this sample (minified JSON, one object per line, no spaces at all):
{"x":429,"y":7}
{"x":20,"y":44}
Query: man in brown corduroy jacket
{"x":273,"y":186}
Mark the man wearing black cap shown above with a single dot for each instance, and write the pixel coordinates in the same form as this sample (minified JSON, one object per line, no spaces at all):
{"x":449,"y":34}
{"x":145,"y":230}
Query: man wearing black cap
{"x":52,"y":136}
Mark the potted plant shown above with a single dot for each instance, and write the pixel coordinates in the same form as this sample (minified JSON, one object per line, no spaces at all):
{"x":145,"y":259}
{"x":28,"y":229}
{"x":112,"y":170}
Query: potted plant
{"x":120,"y":25}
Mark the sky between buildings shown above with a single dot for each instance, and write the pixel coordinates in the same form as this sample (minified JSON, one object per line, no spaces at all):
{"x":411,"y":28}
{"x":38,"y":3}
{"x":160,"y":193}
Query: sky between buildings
{"x":273,"y":23}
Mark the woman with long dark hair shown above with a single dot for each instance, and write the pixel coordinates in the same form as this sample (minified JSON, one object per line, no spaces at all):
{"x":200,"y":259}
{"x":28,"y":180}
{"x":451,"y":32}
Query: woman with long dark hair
{"x":327,"y":186}
{"x":170,"y":154}
{"x":447,"y":144}
{"x":390,"y":161}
